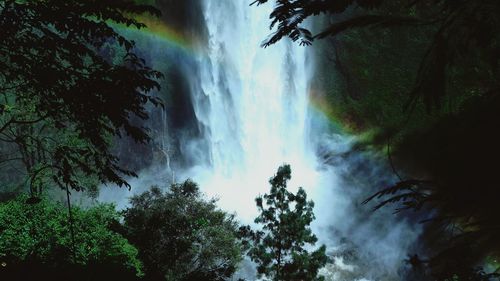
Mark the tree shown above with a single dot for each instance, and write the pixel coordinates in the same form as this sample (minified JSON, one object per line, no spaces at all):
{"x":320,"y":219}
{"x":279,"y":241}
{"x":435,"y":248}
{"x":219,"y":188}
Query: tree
{"x":181,"y":236}
{"x":459,"y":68}
{"x":280,"y":248}
{"x":35,"y":242}
{"x":463,"y":32}
{"x":63,"y":96}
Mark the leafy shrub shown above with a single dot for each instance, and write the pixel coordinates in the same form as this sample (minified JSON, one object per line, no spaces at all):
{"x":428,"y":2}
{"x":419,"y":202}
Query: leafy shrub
{"x":35,"y":240}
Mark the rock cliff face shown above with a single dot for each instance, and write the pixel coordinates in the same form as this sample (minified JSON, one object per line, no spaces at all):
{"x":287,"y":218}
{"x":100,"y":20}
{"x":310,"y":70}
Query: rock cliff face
{"x":185,"y":16}
{"x":173,"y":55}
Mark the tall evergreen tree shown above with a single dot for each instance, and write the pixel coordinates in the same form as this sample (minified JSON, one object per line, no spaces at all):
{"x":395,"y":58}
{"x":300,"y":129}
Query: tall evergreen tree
{"x":455,"y":76}
{"x":280,"y":248}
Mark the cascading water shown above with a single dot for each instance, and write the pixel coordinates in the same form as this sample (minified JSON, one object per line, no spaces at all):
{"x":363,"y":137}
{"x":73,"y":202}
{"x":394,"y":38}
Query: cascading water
{"x":243,"y":111}
{"x":253,"y":102}
{"x":254,"y":105}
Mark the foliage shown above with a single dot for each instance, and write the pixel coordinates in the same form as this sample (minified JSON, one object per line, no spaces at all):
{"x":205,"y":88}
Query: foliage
{"x":375,"y":68}
{"x":280,"y":248}
{"x":35,"y":241}
{"x":461,"y":192}
{"x":181,"y":236}
{"x":63,"y":97}
{"x":464,"y":33}
{"x":442,"y":53}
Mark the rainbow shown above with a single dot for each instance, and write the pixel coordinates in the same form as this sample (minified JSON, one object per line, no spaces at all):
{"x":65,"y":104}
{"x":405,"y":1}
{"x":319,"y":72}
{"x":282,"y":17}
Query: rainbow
{"x":159,"y":30}
{"x":319,"y":104}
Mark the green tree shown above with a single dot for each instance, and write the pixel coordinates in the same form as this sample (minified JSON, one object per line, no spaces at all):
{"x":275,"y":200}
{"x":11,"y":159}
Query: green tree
{"x":64,"y":96}
{"x":181,"y":236}
{"x":280,"y":248}
{"x":36,"y":242}
{"x":454,"y":71}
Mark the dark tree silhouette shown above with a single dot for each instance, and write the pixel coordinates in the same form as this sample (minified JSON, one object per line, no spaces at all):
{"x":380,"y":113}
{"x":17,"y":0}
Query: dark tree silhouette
{"x":461,"y":28}
{"x":460,"y":155}
{"x":279,"y":249}
{"x":459,"y":152}
{"x":63,"y":97}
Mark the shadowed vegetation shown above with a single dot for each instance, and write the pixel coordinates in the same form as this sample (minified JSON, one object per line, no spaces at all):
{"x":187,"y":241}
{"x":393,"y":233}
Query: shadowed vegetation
{"x":424,"y":75}
{"x":63,"y":97}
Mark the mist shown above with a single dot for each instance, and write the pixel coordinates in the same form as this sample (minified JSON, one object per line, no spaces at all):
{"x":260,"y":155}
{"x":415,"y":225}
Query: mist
{"x":241,"y":112}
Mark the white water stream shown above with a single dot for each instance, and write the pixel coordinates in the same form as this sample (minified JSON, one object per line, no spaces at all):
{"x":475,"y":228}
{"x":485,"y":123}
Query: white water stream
{"x":252,"y":108}
{"x":254,"y":102}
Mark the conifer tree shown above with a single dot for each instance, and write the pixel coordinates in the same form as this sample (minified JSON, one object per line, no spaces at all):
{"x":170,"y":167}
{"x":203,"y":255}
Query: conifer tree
{"x":280,"y":248}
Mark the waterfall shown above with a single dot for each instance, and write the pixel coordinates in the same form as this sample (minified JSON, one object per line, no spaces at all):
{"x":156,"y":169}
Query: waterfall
{"x":253,"y":103}
{"x":240,"y":111}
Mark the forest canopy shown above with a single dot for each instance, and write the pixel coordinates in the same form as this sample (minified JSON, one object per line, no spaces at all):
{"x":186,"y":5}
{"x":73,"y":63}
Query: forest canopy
{"x":421,"y":76}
